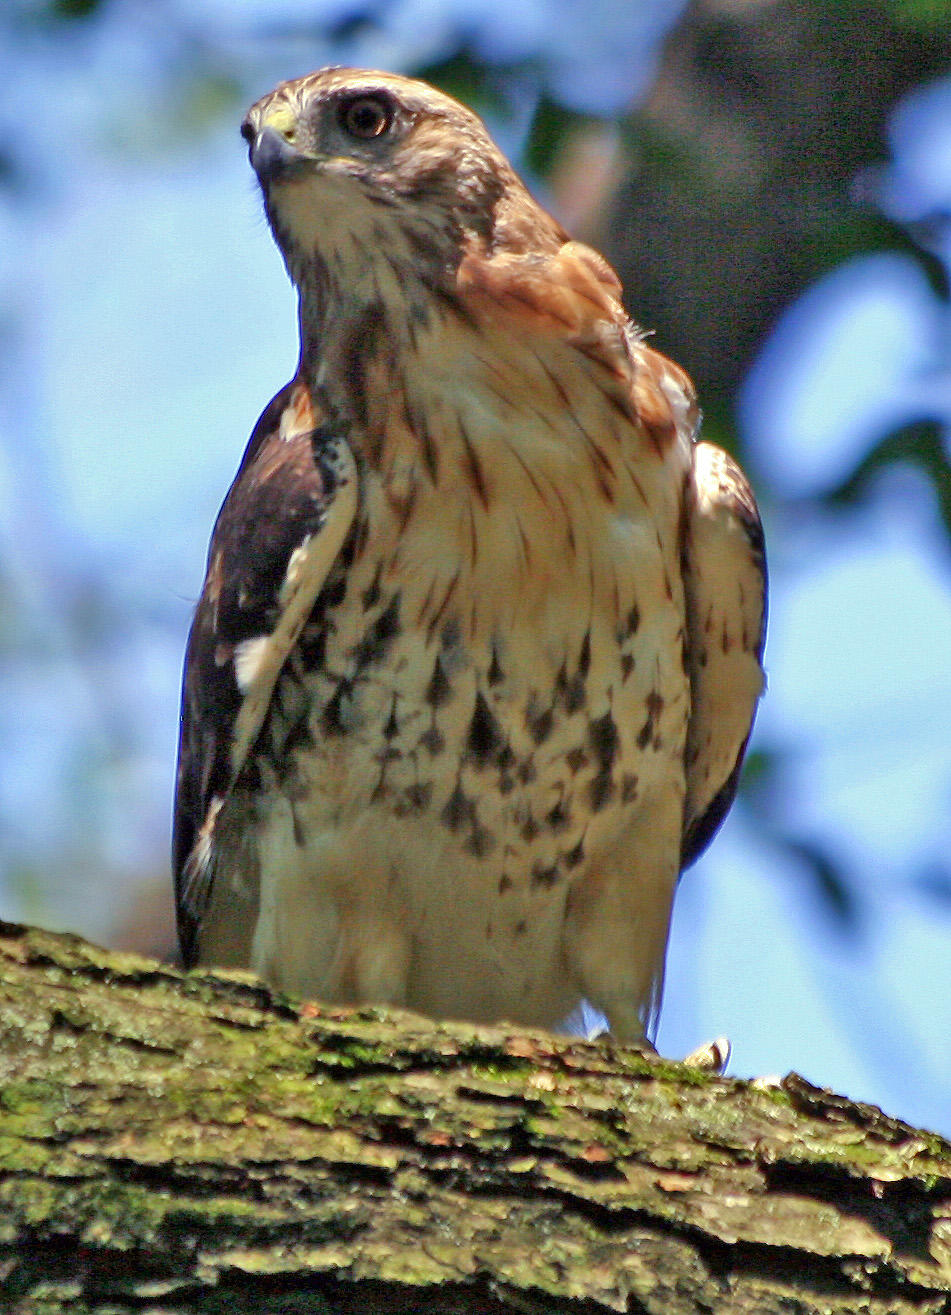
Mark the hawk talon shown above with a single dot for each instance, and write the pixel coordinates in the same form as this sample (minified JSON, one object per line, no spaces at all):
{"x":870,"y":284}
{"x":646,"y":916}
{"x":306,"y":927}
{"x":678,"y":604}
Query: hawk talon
{"x":713,"y":1057}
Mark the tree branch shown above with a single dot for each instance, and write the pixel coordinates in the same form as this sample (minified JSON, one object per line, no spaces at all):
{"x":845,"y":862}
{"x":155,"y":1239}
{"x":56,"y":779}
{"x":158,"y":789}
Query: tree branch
{"x":178,"y":1143}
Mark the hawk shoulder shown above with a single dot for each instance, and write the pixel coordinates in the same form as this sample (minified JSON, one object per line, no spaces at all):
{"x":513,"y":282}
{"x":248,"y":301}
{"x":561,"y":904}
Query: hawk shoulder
{"x":281,"y":527}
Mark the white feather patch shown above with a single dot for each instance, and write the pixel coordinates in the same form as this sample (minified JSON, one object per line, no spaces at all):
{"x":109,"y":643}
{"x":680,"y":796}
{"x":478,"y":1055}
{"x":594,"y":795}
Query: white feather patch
{"x":198,"y":868}
{"x":306,"y":572}
{"x":296,"y":566}
{"x":249,"y":658}
{"x":683,"y":407}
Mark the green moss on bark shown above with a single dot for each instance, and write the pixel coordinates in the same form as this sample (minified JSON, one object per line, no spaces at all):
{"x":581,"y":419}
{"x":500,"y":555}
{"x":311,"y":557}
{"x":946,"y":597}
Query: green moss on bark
{"x":186,"y":1143}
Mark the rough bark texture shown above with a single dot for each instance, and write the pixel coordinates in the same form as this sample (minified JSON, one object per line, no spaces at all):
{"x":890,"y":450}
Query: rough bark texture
{"x":198,"y":1143}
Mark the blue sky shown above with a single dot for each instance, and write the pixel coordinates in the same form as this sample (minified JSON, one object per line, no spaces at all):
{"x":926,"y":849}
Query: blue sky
{"x":147,"y":320}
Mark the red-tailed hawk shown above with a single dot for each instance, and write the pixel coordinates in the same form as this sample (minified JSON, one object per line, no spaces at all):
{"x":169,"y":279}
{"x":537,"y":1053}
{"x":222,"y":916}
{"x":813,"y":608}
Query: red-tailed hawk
{"x":479,"y":645}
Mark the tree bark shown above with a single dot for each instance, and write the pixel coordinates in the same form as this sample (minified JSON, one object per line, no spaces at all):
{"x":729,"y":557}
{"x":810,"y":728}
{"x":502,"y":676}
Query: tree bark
{"x":179,"y":1143}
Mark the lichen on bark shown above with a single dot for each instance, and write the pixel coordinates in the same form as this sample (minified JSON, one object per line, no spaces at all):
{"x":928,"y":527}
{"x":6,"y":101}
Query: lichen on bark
{"x":198,"y":1142}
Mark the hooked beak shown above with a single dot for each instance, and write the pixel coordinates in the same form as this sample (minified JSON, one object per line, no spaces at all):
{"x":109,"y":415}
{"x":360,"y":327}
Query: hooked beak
{"x":272,"y":156}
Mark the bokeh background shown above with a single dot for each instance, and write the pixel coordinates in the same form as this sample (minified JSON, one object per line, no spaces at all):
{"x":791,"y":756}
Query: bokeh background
{"x":772,"y":178}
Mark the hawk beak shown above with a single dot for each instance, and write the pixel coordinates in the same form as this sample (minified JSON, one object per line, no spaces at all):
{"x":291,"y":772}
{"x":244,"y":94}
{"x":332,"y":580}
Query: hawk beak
{"x":272,"y":156}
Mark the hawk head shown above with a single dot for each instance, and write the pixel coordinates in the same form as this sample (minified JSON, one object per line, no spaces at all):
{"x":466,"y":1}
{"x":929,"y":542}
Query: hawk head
{"x":355,"y":165}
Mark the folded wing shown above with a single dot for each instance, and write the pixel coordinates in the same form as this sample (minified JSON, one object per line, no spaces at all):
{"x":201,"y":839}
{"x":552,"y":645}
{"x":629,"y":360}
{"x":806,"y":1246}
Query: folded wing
{"x":725,"y":583}
{"x":281,"y":527}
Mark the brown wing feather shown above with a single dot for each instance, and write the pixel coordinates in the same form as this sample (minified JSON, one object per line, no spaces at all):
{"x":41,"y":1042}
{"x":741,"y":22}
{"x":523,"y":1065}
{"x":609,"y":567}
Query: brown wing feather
{"x":280,"y":528}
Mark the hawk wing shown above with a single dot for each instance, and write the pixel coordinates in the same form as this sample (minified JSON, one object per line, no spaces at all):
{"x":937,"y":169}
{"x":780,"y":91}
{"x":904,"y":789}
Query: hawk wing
{"x":725,"y":583}
{"x":280,"y":529}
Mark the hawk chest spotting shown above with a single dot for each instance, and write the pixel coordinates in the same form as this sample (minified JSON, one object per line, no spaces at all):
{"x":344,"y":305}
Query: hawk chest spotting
{"x":489,"y":698}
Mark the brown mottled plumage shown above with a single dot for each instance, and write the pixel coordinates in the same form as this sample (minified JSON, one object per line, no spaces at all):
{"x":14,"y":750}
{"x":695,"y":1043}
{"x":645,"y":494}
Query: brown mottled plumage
{"x":479,"y":646}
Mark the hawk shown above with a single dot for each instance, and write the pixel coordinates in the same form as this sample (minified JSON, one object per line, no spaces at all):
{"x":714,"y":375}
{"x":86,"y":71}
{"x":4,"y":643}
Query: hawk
{"x":479,"y":645}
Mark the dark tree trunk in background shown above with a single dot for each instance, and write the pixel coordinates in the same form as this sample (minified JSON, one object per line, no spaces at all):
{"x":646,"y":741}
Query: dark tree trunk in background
{"x":744,"y":159}
{"x":179,"y":1144}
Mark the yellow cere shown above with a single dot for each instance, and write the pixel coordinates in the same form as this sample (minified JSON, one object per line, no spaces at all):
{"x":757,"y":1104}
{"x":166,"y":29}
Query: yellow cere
{"x":282,"y":119}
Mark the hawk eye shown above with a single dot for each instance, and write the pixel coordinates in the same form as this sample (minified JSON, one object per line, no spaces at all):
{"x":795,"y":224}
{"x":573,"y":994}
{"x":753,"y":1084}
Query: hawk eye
{"x":365,"y":116}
